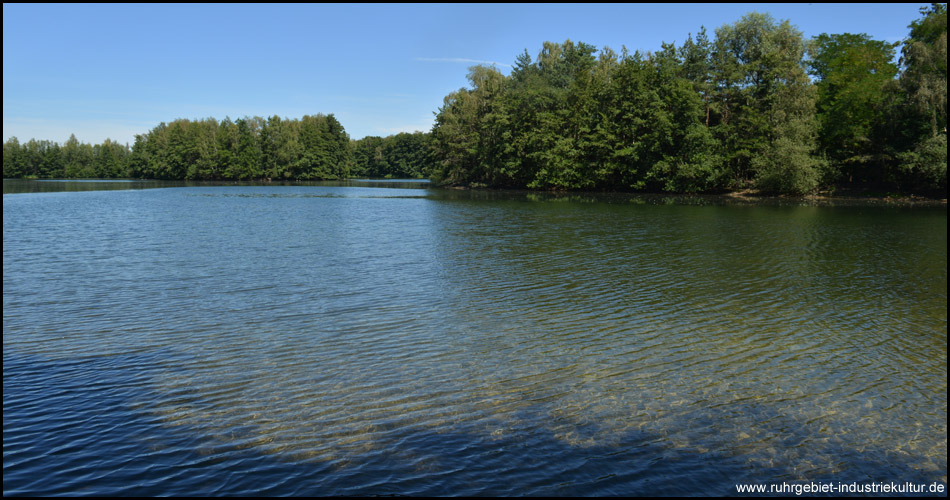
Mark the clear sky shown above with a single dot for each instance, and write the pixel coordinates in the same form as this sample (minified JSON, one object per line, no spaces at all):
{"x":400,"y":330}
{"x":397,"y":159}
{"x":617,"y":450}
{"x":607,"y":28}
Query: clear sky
{"x":113,"y":70}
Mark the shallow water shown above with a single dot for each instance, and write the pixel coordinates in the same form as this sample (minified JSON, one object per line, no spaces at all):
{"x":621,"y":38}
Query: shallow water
{"x":372,"y":339}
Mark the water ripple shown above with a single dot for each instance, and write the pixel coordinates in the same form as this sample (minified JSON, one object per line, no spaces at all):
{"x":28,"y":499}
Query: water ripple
{"x":344,"y":340}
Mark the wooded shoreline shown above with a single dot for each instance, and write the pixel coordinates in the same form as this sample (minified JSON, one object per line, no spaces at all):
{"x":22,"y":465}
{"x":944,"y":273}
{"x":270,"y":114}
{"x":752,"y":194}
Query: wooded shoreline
{"x":755,"y":108}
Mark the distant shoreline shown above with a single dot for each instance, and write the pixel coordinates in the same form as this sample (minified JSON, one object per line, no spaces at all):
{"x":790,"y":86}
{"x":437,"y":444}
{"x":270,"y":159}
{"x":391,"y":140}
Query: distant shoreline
{"x":749,"y":196}
{"x":745,"y":195}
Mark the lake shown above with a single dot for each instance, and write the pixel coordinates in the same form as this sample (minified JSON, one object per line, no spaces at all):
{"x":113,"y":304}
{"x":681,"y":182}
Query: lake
{"x":390,"y":338}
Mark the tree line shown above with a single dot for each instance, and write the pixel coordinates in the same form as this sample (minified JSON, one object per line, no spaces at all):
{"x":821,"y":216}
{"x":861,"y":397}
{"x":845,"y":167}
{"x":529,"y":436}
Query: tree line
{"x":755,"y":106}
{"x":312,"y":148}
{"x":401,"y":156}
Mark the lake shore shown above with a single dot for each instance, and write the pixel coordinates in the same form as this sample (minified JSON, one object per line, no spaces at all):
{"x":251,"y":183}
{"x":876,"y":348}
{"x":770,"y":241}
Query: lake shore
{"x":750,"y":196}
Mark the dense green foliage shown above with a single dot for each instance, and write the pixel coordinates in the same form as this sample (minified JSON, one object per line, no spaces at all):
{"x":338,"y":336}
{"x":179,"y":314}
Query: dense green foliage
{"x":403,"y":156}
{"x":733,"y":112}
{"x":45,"y":159}
{"x":312,"y":148}
{"x":754,"y":107}
{"x":923,"y":157}
{"x":855,"y":76}
{"x":315,"y":147}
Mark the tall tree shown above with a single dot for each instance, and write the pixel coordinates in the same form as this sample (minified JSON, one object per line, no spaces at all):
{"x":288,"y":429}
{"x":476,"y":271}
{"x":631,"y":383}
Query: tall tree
{"x":14,"y":161}
{"x":697,"y":68}
{"x":246,"y":162}
{"x":468,"y":131}
{"x":767,"y":105}
{"x":853,"y":74}
{"x":924,"y":81}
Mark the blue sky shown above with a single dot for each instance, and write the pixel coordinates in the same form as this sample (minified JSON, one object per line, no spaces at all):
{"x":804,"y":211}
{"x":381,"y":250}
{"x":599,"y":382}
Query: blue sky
{"x":113,"y":70}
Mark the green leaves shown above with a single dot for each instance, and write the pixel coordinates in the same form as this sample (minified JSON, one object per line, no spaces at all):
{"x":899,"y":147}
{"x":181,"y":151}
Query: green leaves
{"x":402,"y":156}
{"x":570,"y":120}
{"x":924,"y":82}
{"x":854,"y":75}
